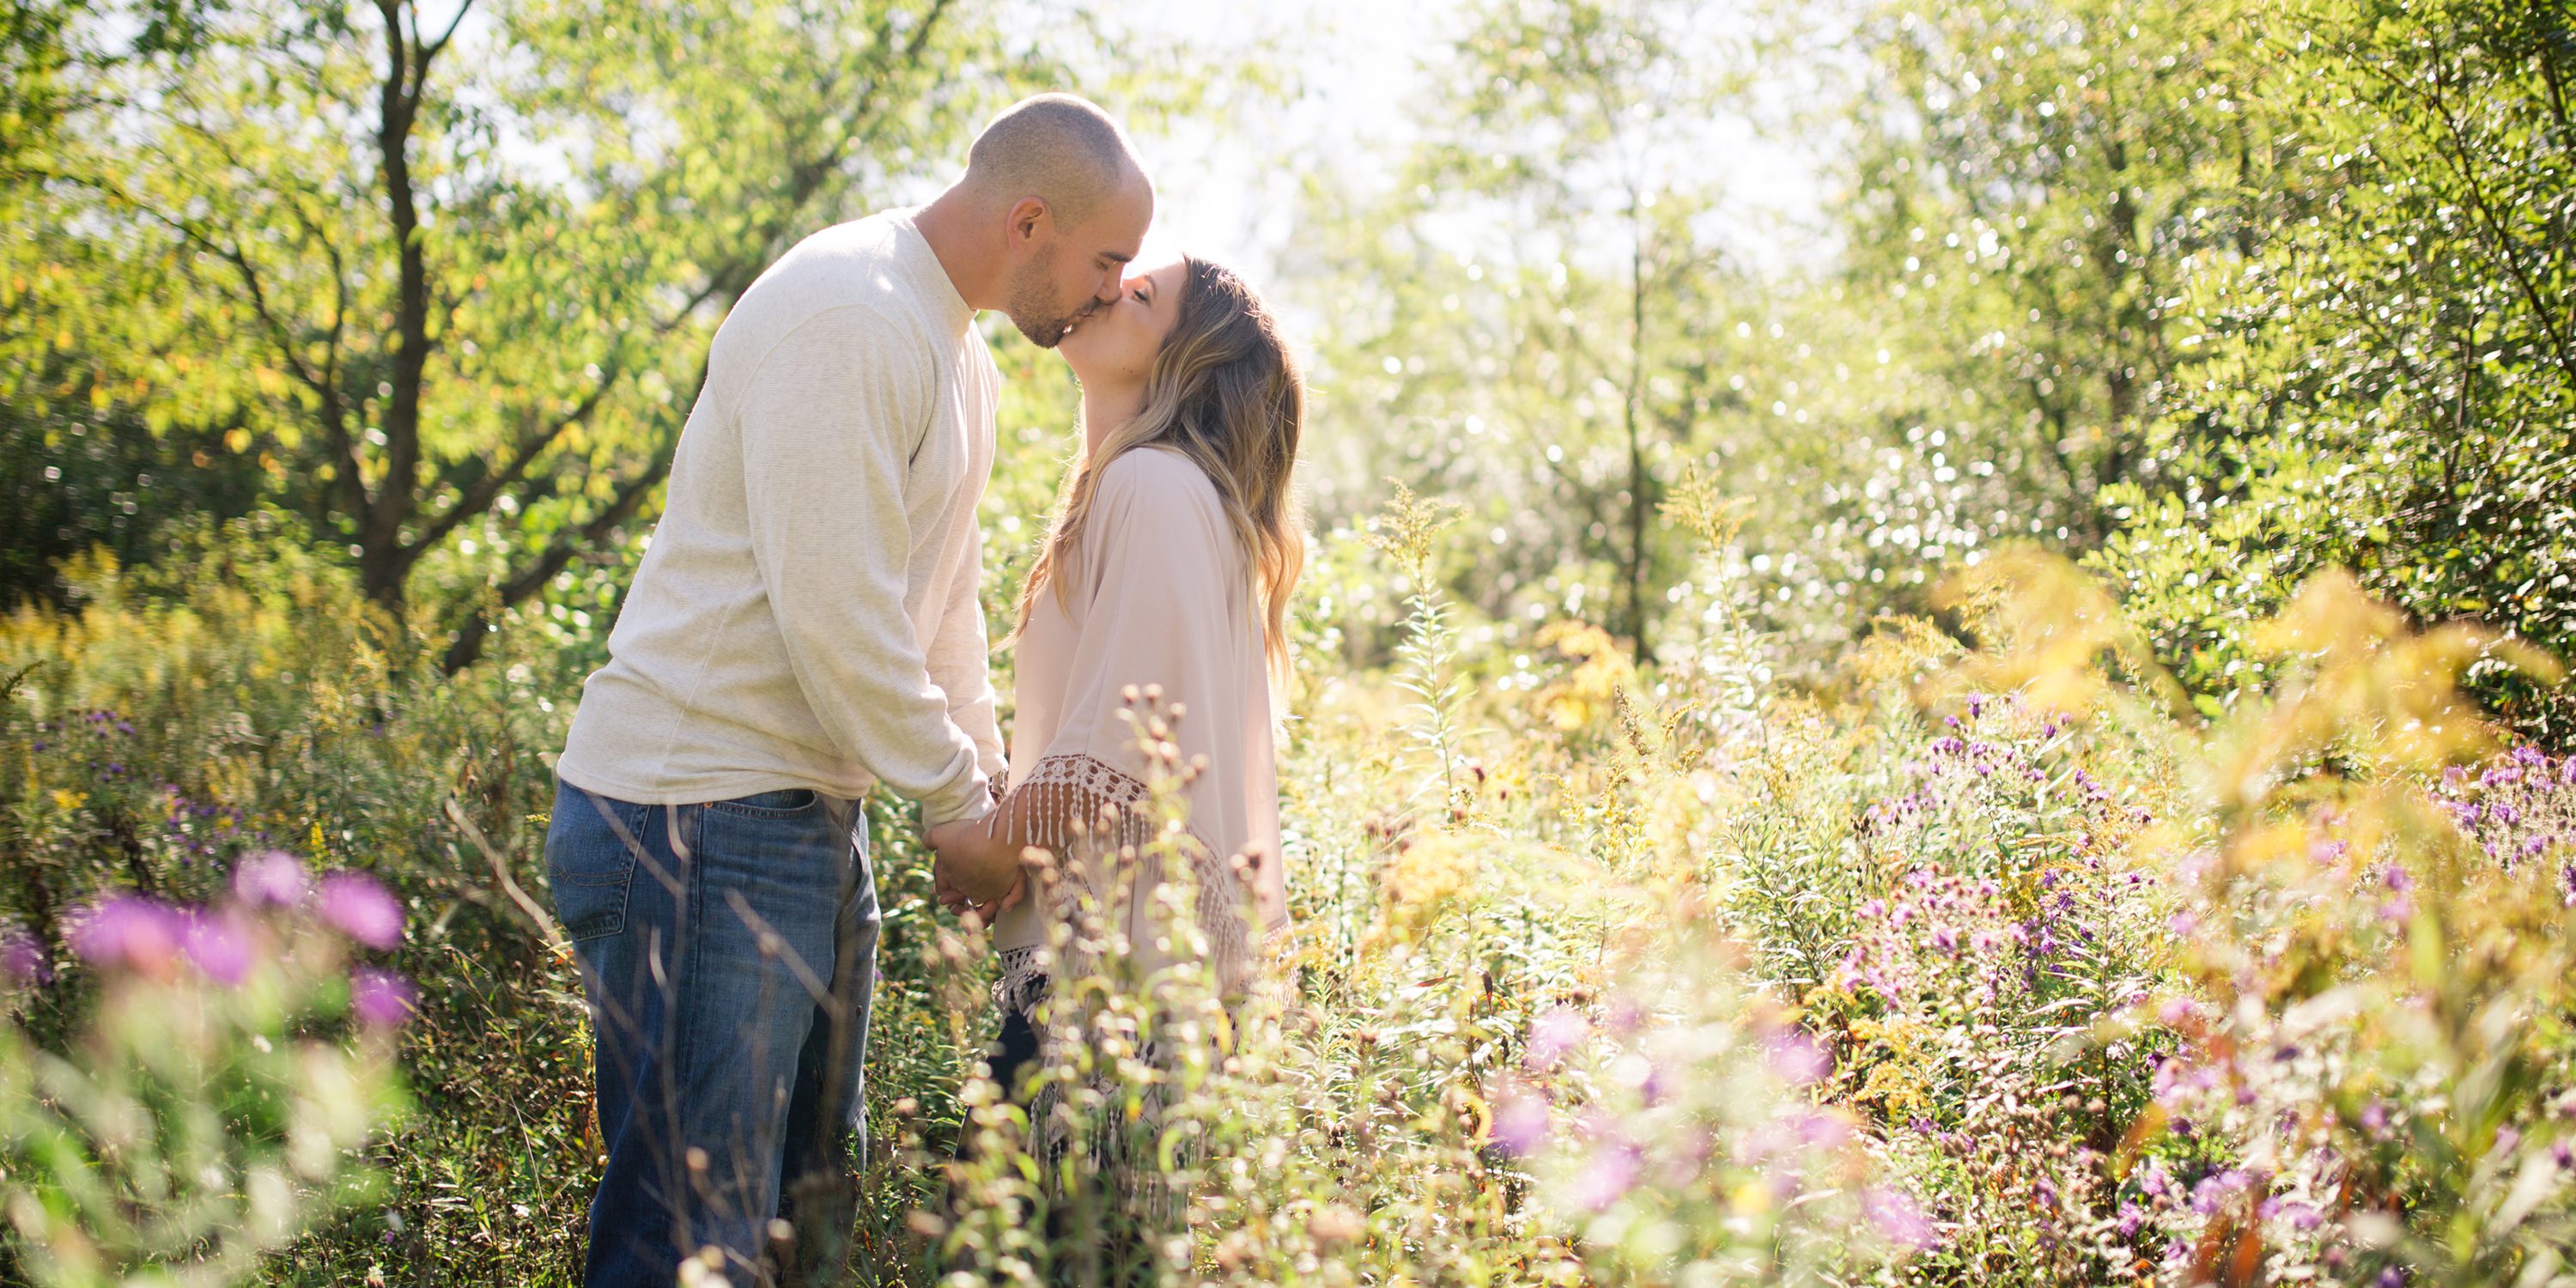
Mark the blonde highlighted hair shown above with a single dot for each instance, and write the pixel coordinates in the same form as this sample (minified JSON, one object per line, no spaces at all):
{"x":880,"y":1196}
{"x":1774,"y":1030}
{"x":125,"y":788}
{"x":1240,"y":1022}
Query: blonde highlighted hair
{"x":1225,"y":392}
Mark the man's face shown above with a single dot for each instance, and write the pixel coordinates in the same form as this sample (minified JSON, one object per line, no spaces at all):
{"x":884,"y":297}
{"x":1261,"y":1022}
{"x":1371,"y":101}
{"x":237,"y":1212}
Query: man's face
{"x":1061,"y":275}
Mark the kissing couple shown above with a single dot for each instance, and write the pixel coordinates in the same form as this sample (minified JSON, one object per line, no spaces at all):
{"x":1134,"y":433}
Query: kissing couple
{"x":806,"y":624}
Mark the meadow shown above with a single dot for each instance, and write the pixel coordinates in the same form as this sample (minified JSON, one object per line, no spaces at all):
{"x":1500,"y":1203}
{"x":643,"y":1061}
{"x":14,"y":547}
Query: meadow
{"x":2031,"y":753}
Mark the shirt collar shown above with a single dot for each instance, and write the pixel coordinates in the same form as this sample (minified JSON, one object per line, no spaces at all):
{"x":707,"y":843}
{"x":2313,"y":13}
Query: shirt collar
{"x":928,"y":277}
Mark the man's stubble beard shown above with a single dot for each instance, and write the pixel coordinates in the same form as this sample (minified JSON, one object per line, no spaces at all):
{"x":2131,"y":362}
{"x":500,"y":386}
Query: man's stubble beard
{"x":1034,"y":308}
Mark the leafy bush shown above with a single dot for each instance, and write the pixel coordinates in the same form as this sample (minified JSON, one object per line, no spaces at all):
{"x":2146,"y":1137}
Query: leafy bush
{"x":206,"y":1113}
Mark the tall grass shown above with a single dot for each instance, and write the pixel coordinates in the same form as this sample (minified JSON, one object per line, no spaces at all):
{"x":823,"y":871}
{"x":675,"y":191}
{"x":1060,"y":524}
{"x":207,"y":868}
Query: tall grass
{"x":1984,"y":961}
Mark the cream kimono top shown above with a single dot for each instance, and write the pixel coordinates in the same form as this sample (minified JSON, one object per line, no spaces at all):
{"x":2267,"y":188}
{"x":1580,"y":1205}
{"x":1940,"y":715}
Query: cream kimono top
{"x":1157,"y":594}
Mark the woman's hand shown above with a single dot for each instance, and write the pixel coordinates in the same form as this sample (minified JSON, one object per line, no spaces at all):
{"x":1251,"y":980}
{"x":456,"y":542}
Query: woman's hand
{"x":974,"y":871}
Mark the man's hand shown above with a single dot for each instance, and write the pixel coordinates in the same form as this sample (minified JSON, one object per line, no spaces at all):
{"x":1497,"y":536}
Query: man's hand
{"x":973,"y":873}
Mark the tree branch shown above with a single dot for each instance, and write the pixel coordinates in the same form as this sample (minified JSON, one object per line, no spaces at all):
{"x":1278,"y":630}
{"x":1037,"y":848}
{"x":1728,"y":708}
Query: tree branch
{"x":559,"y":554}
{"x":478,"y":496}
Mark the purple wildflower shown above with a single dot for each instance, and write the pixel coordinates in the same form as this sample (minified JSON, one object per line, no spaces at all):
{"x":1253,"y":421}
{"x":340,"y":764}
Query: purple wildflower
{"x":218,"y":945}
{"x":21,"y":957}
{"x":356,"y":904}
{"x":1897,"y":1218}
{"x":128,"y":929}
{"x":381,"y":998}
{"x":1521,"y":1123}
{"x":1607,"y":1177}
{"x":2132,"y":1217}
{"x":1799,"y":1059}
{"x":271,"y":877}
{"x":1553,"y":1034}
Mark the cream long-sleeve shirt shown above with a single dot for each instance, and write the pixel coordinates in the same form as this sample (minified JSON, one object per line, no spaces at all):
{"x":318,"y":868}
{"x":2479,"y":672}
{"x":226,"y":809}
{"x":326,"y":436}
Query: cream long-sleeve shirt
{"x":806,"y":614}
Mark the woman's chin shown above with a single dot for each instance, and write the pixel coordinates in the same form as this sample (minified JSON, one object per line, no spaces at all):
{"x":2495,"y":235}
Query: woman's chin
{"x":1078,"y":350}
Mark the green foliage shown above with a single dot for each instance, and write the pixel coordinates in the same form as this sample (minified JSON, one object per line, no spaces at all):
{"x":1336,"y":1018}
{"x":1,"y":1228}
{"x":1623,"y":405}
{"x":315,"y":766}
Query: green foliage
{"x":1536,"y":311}
{"x":1665,"y":908}
{"x":2039,"y":184}
{"x":2388,"y":373}
{"x":209,"y":1112}
{"x":447,"y":286}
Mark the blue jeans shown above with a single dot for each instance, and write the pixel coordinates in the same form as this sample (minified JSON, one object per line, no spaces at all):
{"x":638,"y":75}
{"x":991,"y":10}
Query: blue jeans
{"x":729,"y":954}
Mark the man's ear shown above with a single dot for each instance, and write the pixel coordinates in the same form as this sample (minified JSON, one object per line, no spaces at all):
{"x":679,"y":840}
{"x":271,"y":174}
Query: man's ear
{"x":1030,"y":219}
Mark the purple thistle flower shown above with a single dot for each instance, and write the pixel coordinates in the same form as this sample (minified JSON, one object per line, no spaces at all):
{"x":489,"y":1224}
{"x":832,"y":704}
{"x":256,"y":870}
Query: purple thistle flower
{"x":1552,"y":1034}
{"x":271,"y":877}
{"x":1897,"y":1218}
{"x":1608,"y":1176}
{"x":1521,"y":1123}
{"x":381,"y":998}
{"x":358,"y":905}
{"x":1799,"y":1059}
{"x":128,"y":929}
{"x":21,"y":957}
{"x":218,"y":946}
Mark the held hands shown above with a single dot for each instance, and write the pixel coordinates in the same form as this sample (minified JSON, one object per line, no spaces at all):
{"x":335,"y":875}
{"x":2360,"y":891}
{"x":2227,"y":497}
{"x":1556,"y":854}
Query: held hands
{"x":974,"y":871}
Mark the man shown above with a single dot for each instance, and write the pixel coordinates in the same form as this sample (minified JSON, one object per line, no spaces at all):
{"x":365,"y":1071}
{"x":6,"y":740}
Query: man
{"x":804,"y":626}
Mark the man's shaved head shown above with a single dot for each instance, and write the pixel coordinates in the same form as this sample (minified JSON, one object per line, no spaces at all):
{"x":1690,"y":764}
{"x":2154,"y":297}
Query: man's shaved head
{"x":1053,"y":207}
{"x":1059,"y":148}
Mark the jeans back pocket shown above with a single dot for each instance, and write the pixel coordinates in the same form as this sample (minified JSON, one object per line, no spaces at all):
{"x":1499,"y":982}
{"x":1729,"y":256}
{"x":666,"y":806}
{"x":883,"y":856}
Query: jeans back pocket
{"x":590,"y":860}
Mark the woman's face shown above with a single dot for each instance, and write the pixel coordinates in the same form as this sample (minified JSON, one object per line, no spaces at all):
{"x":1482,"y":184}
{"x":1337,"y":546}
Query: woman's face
{"x":1114,"y":346}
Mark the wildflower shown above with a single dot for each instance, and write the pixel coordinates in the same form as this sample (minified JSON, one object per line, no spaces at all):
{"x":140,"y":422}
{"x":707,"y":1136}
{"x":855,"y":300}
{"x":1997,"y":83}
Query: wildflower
{"x":1521,"y":1123}
{"x":131,"y":930}
{"x":2132,"y":1217}
{"x":356,"y":904}
{"x":21,"y":957}
{"x":272,"y":877}
{"x":1608,"y":1176}
{"x":2212,"y":1192}
{"x":217,"y":945}
{"x":1799,"y":1059}
{"x":381,"y":998}
{"x":1553,"y":1034}
{"x":1897,"y":1218}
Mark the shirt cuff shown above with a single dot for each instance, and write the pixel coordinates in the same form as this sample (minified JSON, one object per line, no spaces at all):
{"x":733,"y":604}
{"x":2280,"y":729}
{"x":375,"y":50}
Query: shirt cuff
{"x":972,"y":804}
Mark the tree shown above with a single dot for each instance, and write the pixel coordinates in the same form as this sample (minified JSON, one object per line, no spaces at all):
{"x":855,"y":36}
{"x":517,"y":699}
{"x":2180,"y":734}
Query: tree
{"x":1533,"y":309}
{"x":2030,"y":185}
{"x":2392,"y":373}
{"x":448,"y":274}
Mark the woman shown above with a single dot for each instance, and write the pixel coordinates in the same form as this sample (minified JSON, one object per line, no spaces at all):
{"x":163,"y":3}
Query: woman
{"x":1160,"y":593}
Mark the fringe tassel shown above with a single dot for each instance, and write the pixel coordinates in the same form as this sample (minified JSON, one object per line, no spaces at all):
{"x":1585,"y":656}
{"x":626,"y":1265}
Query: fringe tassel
{"x":1096,"y":819}
{"x":1022,"y":981}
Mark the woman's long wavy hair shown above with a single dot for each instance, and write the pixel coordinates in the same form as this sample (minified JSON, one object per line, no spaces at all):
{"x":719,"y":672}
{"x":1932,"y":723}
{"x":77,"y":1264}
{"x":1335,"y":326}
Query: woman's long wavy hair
{"x":1225,"y":392}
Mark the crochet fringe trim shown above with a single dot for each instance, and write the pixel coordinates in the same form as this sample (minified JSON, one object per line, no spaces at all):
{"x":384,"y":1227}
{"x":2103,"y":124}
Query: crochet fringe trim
{"x":1065,"y":791}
